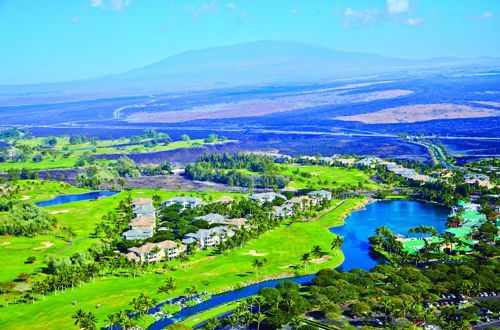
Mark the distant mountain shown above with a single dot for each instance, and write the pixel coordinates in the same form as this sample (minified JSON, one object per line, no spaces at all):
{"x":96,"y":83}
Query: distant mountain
{"x":260,"y":62}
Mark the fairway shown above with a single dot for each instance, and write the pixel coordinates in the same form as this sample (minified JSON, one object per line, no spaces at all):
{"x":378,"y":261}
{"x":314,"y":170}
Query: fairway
{"x":317,"y":177}
{"x":81,"y":217}
{"x":67,"y":154}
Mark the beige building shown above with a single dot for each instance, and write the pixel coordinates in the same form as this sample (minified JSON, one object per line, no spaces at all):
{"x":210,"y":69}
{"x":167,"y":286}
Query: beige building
{"x":154,"y":252}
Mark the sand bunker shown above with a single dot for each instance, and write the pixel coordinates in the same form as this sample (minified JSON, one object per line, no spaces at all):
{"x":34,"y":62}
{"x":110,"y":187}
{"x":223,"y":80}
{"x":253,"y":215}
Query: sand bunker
{"x":287,"y":266}
{"x":25,"y":198}
{"x":421,"y":112}
{"x":255,"y":253}
{"x":321,"y":260}
{"x":45,"y":245}
{"x":61,"y":211}
{"x":4,"y":243}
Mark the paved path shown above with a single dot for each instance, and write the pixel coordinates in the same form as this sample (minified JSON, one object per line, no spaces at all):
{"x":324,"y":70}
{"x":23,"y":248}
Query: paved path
{"x":70,"y":244}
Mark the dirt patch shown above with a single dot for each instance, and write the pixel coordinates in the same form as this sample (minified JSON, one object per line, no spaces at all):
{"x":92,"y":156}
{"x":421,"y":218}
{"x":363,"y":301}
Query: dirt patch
{"x":45,"y":245}
{"x":179,"y":183}
{"x":490,"y":103}
{"x":255,"y":253}
{"x":421,"y":112}
{"x":321,"y":260}
{"x":60,"y":211}
{"x":261,"y":107}
{"x":4,"y":243}
{"x":24,"y":198}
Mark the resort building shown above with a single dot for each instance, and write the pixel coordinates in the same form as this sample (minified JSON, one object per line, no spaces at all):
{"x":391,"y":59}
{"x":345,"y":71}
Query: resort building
{"x":299,"y":203}
{"x":475,"y":176}
{"x":208,"y":238}
{"x":154,"y":252}
{"x":265,"y":197}
{"x":283,"y":211}
{"x":320,"y":195}
{"x":212,"y":218}
{"x":143,"y":223}
{"x":369,"y":162}
{"x":185,"y":202}
{"x":326,"y":160}
{"x":133,"y":234}
{"x":345,"y":161}
{"x":282,"y":159}
{"x":144,"y":211}
{"x":237,"y":223}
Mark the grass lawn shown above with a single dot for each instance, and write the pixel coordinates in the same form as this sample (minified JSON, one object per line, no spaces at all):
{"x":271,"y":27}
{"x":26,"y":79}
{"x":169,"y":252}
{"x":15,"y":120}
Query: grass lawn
{"x":211,"y":313}
{"x":326,"y":176}
{"x":282,"y":247}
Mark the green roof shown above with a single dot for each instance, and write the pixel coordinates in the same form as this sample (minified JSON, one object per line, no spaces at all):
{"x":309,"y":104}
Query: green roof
{"x":472,"y":215}
{"x":471,"y":224}
{"x":467,"y":241}
{"x":459,"y":232}
{"x":415,"y":243}
{"x":463,"y":248}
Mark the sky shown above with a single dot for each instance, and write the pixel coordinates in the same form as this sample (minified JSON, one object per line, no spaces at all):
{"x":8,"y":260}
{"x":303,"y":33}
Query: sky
{"x":61,"y":40}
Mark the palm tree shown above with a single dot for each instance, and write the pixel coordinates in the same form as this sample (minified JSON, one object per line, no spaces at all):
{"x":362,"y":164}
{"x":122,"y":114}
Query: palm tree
{"x":259,"y":317}
{"x":79,"y":317}
{"x":232,"y":320}
{"x":205,"y":284}
{"x":112,"y":319}
{"x":169,"y":287}
{"x":386,"y":304}
{"x":257,"y":264}
{"x":405,"y":306}
{"x":89,"y":322}
{"x":212,"y":324}
{"x":306,"y":257}
{"x":337,"y":243}
{"x":317,"y":251}
{"x":259,"y":301}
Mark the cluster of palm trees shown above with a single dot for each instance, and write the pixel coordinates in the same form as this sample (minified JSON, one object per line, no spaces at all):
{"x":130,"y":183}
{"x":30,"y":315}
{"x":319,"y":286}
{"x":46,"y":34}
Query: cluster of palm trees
{"x":247,"y":313}
{"x":433,"y":249}
{"x":85,"y":320}
{"x":401,"y":309}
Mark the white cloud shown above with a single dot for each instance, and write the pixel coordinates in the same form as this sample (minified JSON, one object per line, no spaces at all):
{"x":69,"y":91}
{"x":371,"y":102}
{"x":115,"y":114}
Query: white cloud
{"x":75,"y":20}
{"x":295,"y":11}
{"x":204,"y":9}
{"x":231,"y":5}
{"x":113,"y":5}
{"x":414,"y":21}
{"x":487,"y":14}
{"x":359,"y":17}
{"x":398,"y":6}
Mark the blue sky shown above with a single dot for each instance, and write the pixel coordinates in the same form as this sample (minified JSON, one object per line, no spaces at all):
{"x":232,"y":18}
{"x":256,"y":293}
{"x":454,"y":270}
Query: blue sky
{"x":58,"y":40}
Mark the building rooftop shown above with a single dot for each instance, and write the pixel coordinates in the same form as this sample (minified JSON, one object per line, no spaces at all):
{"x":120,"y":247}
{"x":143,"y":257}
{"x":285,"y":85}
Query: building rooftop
{"x":142,"y":201}
{"x":459,"y":232}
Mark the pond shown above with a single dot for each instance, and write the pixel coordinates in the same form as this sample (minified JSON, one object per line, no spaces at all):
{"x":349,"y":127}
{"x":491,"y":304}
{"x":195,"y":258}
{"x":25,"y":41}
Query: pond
{"x":397,"y":215}
{"x":63,"y":199}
